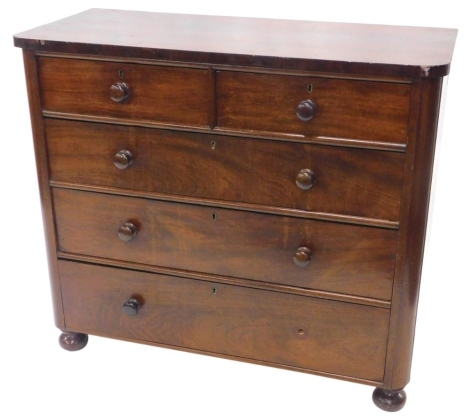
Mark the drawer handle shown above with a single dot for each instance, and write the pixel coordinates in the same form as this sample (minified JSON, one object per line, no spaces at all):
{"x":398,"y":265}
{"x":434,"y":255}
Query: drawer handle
{"x":127,"y":231}
{"x":123,"y":159}
{"x":305,"y":179}
{"x":303,"y":256}
{"x":306,"y":110}
{"x":131,"y":307}
{"x":119,"y":92}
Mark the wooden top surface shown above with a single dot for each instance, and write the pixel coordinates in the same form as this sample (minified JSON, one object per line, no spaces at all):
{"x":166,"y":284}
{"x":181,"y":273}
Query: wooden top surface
{"x":254,"y":42}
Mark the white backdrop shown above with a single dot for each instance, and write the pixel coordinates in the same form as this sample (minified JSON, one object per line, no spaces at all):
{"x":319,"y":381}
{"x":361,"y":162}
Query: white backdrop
{"x":118,"y":380}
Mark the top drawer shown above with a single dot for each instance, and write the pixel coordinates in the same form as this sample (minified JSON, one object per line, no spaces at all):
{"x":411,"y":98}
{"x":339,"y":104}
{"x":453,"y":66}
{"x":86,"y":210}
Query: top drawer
{"x":169,"y":95}
{"x":353,"y":109}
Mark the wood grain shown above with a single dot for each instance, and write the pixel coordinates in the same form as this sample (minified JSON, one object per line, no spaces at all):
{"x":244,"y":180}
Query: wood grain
{"x":301,"y":45}
{"x":413,"y":219}
{"x":334,"y":337}
{"x":257,"y":208}
{"x":42,"y":167}
{"x":254,"y":284}
{"x":157,"y":93}
{"x":346,"y":259}
{"x":361,"y":183}
{"x":294,"y":138}
{"x":346,"y":108}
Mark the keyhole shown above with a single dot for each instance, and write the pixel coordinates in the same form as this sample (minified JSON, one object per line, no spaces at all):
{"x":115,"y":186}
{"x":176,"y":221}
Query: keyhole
{"x":214,"y":290}
{"x":214,"y":216}
{"x":121,"y":74}
{"x":310,"y":88}
{"x":212,"y":144}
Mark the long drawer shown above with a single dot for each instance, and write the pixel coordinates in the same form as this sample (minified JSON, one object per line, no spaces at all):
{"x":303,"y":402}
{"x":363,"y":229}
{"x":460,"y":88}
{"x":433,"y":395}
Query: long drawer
{"x":168,"y":95}
{"x":320,"y":335}
{"x":355,"y":260}
{"x":354,"y":109}
{"x":356,"y":182}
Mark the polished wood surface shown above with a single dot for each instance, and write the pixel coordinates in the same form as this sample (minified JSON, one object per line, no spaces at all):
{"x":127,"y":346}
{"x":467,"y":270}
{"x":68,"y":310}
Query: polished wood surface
{"x":353,"y":182}
{"x":73,"y":341}
{"x":346,"y":259}
{"x":346,"y":108}
{"x":389,"y":400}
{"x":235,"y":281}
{"x":289,"y":330}
{"x":316,"y":46}
{"x":294,"y":138}
{"x":119,"y":92}
{"x":245,"y":188}
{"x":306,"y":110}
{"x":414,"y":214}
{"x":157,"y":93}
{"x":131,"y":307}
{"x":42,"y":167}
{"x":257,"y":208}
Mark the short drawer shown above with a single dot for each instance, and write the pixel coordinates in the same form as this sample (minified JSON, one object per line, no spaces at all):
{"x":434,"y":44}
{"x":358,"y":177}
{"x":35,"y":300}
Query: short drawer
{"x":302,"y":332}
{"x":335,"y":257}
{"x":357,"y":182}
{"x":168,"y":95}
{"x":352,"y":109}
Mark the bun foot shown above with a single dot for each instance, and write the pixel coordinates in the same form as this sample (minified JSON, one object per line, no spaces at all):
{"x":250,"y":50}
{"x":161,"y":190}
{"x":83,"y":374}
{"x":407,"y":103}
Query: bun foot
{"x":389,"y":399}
{"x":73,"y":341}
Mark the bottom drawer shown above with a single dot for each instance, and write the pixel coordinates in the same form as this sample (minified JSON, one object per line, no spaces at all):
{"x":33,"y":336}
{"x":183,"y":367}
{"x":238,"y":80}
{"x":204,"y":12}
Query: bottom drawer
{"x":301,"y":332}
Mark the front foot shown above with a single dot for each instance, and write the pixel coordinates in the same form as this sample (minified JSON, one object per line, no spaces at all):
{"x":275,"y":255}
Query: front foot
{"x":389,"y":399}
{"x":73,"y":341}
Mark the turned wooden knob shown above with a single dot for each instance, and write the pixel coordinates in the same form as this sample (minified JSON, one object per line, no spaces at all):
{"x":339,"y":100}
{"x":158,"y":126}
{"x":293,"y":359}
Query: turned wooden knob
{"x":306,"y":110}
{"x":127,"y":231}
{"x":119,"y":91}
{"x":303,"y":256}
{"x":131,"y":307}
{"x":305,"y":179}
{"x":123,"y":159}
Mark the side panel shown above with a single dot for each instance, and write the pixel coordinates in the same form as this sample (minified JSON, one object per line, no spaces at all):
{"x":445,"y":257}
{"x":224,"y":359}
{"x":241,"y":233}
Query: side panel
{"x":40,"y":151}
{"x":425,"y":103}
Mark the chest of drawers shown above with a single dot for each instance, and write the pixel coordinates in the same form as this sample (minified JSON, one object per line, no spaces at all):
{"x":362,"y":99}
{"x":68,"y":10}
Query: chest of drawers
{"x":244,"y":188}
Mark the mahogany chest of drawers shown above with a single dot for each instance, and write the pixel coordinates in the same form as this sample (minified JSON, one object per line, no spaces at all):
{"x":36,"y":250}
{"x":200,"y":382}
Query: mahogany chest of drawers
{"x":245,"y":188}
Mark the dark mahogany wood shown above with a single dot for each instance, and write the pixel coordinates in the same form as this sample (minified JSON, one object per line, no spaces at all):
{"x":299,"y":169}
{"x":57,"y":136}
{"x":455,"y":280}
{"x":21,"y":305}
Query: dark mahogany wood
{"x":389,"y":400}
{"x":349,"y":181}
{"x":261,"y":197}
{"x":300,"y":45}
{"x":228,"y":242}
{"x":119,"y":92}
{"x":343,"y":338}
{"x":131,"y":307}
{"x":413,"y":221}
{"x":306,"y":110}
{"x":258,"y":208}
{"x":123,"y":159}
{"x":127,"y":231}
{"x":40,"y":151}
{"x":282,"y":288}
{"x":159,"y":93}
{"x":305,"y":179}
{"x":303,"y":256}
{"x":73,"y":341}
{"x":353,"y":109}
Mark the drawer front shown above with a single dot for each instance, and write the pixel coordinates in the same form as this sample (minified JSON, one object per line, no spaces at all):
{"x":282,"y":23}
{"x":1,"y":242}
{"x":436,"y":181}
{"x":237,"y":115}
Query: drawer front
{"x":169,"y":95}
{"x":348,"y":259}
{"x":346,"y":181}
{"x":353,"y":109}
{"x":309,"y":333}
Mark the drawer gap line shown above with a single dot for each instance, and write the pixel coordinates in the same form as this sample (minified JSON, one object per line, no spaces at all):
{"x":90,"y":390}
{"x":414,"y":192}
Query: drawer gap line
{"x":290,"y":137}
{"x":253,"y":284}
{"x":257,"y":208}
